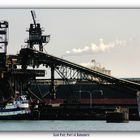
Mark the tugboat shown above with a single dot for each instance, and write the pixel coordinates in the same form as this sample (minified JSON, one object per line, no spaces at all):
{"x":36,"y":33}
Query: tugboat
{"x":16,"y":110}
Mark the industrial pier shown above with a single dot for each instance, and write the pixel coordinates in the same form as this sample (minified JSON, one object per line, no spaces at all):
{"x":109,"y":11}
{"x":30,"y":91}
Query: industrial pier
{"x":80,"y":93}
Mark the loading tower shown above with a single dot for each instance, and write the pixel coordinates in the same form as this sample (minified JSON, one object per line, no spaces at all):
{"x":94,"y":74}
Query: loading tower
{"x":36,"y":38}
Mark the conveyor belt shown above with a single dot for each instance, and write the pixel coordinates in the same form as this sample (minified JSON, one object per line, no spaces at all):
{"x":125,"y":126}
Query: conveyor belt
{"x":44,"y":58}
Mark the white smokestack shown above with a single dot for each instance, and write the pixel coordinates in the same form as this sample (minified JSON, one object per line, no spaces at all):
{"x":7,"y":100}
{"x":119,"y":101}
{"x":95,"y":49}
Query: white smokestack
{"x":101,"y":47}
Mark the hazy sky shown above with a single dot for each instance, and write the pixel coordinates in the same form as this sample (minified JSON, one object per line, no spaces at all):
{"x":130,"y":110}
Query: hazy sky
{"x":111,"y":36}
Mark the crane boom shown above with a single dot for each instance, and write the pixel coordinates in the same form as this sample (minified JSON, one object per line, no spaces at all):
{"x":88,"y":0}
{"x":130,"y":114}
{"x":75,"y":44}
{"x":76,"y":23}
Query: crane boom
{"x":33,"y":16}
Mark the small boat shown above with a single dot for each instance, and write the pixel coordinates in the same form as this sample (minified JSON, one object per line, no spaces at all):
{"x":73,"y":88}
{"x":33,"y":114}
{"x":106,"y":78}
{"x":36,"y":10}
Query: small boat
{"x":18,"y":109}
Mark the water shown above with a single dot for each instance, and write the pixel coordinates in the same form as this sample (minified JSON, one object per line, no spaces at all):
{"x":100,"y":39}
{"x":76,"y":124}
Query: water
{"x":68,"y":126}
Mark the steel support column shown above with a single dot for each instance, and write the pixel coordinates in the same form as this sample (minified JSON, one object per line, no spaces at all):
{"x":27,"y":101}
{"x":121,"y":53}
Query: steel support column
{"x":52,"y":86}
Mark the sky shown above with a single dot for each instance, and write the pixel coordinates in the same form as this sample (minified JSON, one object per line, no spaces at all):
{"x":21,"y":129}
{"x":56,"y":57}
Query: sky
{"x":110,"y":36}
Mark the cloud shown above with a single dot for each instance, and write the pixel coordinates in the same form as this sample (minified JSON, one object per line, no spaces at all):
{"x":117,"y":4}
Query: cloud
{"x":97,"y":48}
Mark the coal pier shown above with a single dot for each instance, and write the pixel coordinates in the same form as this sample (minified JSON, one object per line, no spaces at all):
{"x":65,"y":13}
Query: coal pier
{"x":79,"y":93}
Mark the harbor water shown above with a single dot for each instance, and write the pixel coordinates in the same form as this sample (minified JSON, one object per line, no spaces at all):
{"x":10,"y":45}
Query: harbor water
{"x":51,"y":126}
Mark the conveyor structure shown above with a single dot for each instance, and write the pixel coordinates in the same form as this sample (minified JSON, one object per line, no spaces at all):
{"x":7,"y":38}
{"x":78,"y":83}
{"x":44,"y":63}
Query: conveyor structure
{"x":68,"y":70}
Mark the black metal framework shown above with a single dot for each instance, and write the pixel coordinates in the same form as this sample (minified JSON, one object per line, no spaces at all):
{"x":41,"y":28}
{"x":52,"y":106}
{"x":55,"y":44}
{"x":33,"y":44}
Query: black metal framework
{"x":30,"y":56}
{"x":68,"y":73}
{"x":35,"y":35}
{"x":3,"y":43}
{"x":68,"y":70}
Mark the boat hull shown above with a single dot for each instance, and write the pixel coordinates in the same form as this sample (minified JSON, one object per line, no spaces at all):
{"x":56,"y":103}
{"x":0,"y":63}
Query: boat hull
{"x":29,"y":116}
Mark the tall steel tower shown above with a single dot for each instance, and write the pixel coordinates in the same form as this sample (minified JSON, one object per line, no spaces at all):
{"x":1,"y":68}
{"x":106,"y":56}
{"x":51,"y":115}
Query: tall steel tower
{"x":3,"y":43}
{"x":36,"y":38}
